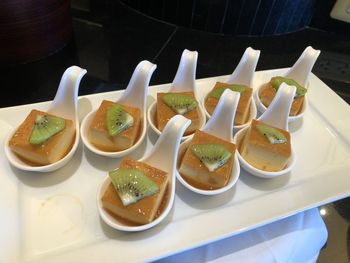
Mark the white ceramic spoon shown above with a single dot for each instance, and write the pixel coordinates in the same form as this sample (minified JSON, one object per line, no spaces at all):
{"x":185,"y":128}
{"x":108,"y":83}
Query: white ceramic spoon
{"x":135,"y":95}
{"x":64,"y":105}
{"x":243,"y":74}
{"x":184,"y":81}
{"x":162,"y":156}
{"x":276,"y":115}
{"x":219,"y":125}
{"x":300,"y":73}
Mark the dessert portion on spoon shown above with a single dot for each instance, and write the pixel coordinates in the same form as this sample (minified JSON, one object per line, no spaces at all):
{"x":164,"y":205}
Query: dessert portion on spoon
{"x":117,"y":128}
{"x":136,"y":192}
{"x":208,"y":162}
{"x":268,"y":92}
{"x":46,"y":140}
{"x":242,"y":112}
{"x":241,"y":81}
{"x":296,"y":76}
{"x":172,"y":103}
{"x":265,"y":147}
{"x":43,"y":138}
{"x":180,"y":99}
{"x":139,"y":194}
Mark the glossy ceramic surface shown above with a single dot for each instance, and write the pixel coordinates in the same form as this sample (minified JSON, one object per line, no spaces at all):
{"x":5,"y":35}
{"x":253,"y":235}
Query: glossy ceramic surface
{"x":66,"y":199}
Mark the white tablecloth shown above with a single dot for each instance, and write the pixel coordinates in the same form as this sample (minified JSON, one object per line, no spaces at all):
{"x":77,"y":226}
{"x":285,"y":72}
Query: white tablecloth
{"x":298,"y":238}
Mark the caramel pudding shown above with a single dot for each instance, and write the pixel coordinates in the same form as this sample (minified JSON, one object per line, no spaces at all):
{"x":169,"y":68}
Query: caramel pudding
{"x":269,"y":90}
{"x":208,"y":161}
{"x":171,"y":104}
{"x":115,"y":127}
{"x":242,"y":112}
{"x":43,"y":138}
{"x":265,"y":147}
{"x":136,"y":192}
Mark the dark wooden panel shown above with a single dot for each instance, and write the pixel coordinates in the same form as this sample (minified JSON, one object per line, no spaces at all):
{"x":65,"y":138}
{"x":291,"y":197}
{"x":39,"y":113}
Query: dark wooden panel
{"x":33,"y":29}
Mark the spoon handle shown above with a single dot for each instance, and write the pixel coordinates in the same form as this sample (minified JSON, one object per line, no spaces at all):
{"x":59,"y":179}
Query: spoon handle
{"x":136,"y":92}
{"x":244,"y":72}
{"x":66,"y":99}
{"x":186,"y":73}
{"x":220,"y":123}
{"x":278,"y":112}
{"x":164,"y":153}
{"x":303,"y":66}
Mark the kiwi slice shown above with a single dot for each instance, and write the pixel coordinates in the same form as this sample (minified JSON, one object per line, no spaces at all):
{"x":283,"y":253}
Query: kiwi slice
{"x":45,"y":127}
{"x":277,"y":81}
{"x":216,"y":93}
{"x":180,"y":103}
{"x":132,"y":185}
{"x":212,"y":156}
{"x":118,"y":120}
{"x":273,"y":135}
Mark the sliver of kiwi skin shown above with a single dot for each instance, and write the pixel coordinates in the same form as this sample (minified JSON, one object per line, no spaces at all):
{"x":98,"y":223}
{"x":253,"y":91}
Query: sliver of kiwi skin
{"x":213,"y":156}
{"x":132,"y":185}
{"x":180,"y":103}
{"x":45,"y":127}
{"x":118,"y":120}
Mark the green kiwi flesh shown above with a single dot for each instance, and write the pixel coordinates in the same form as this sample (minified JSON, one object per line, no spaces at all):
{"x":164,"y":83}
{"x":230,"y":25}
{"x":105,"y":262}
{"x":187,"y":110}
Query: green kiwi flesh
{"x":132,"y":185}
{"x":118,"y":120}
{"x":273,"y":135}
{"x":45,"y":127}
{"x":213,"y":156}
{"x":277,"y":81}
{"x":216,"y":93}
{"x":180,"y":103}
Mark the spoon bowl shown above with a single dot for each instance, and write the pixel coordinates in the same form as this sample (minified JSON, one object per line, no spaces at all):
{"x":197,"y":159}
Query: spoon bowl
{"x":219,"y":125}
{"x":277,"y":116}
{"x":64,"y":105}
{"x":162,"y":156}
{"x":135,"y":95}
{"x":184,"y":81}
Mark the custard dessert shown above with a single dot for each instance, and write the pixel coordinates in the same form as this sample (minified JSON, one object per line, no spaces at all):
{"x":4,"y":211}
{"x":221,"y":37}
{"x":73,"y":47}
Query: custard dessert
{"x":242,"y":112}
{"x":208,"y":161}
{"x":43,"y":138}
{"x":115,"y":127}
{"x":171,"y":104}
{"x":265,"y":147}
{"x":136,"y":192}
{"x":268,"y":92}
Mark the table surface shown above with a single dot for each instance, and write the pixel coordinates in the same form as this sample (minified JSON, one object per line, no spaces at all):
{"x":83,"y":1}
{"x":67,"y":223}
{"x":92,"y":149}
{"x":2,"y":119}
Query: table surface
{"x":110,"y":46}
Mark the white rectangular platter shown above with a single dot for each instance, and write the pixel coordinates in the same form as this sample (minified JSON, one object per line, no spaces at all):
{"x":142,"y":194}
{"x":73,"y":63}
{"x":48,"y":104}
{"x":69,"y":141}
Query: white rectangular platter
{"x":53,"y":217}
